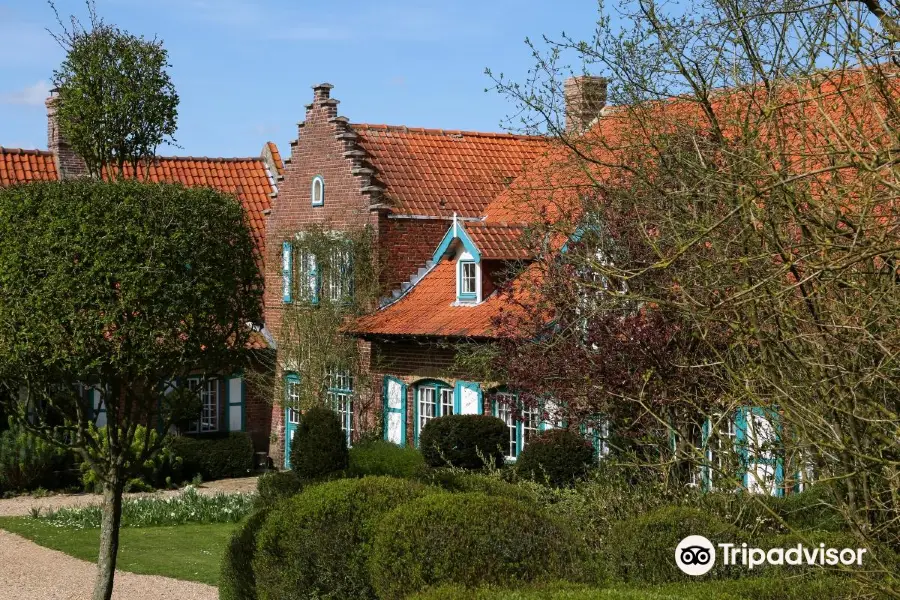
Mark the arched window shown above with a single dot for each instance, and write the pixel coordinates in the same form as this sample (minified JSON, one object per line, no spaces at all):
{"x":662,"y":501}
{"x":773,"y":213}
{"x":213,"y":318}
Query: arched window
{"x":317,"y":191}
{"x":433,"y":399}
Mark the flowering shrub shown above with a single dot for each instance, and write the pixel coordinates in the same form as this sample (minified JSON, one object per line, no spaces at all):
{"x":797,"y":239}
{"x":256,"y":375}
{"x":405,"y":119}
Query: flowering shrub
{"x":186,"y":507}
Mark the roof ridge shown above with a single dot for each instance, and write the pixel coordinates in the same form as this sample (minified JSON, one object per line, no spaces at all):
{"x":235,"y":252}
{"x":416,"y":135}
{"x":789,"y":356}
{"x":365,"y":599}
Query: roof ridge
{"x":213,"y":158}
{"x":446,"y":132}
{"x":7,"y":150}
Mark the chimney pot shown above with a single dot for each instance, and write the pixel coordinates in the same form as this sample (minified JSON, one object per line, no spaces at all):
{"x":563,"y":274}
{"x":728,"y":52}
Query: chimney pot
{"x":585,"y":98}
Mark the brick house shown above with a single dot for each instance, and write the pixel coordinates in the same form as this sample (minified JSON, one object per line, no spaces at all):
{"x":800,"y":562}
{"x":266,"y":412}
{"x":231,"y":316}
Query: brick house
{"x":449,"y":210}
{"x":230,"y":402}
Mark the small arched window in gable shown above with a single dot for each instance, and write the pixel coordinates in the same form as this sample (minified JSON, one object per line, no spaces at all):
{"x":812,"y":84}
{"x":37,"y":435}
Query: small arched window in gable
{"x":317,"y":191}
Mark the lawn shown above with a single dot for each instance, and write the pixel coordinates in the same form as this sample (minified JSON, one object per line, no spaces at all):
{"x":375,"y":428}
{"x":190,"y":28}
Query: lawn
{"x":191,"y":552}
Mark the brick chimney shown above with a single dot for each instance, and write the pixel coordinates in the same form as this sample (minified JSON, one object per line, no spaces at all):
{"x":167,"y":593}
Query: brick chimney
{"x":585,"y":97}
{"x":68,"y":163}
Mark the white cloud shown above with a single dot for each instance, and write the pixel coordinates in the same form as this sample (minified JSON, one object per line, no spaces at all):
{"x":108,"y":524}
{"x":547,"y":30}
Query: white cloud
{"x":31,"y":95}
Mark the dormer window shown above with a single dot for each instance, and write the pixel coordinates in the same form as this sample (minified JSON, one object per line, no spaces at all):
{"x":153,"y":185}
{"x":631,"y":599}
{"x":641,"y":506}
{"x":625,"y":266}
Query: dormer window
{"x":467,"y":280}
{"x":317,"y":191}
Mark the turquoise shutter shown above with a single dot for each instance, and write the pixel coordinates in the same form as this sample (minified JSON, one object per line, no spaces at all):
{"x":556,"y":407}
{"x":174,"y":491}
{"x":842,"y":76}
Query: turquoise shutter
{"x":287,"y":260}
{"x":467,"y":398}
{"x":394,"y":401}
{"x":740,"y":443}
{"x":706,"y":469}
{"x":235,"y":400}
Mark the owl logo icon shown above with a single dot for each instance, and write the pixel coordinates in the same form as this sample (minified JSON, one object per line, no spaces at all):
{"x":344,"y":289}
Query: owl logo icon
{"x":695,"y":555}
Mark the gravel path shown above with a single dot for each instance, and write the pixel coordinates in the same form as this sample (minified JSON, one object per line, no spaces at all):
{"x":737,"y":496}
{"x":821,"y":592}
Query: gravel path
{"x":21,"y":506}
{"x":32,"y":572}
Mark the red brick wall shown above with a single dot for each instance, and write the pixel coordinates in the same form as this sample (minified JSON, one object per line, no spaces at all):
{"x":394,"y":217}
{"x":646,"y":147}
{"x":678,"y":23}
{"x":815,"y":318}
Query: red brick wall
{"x":407,"y":244}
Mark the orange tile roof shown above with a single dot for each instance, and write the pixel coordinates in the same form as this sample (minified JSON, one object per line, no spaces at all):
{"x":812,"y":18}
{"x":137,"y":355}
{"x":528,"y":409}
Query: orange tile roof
{"x":439,"y":172}
{"x":276,"y":158}
{"x":498,"y":241}
{"x":247,"y":178}
{"x":429,"y":309}
{"x":22,"y":166}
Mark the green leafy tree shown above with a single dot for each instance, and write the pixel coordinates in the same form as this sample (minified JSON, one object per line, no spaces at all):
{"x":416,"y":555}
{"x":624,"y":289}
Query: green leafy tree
{"x":116,"y":102}
{"x":118,"y":287}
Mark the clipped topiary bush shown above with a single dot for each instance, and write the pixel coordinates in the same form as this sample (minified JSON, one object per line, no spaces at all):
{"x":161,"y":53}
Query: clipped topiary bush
{"x":379,"y":457}
{"x":471,"y":540}
{"x":213,"y":456}
{"x":319,"y":446}
{"x":316,"y":544}
{"x":456,"y":480}
{"x":811,"y":510}
{"x":236,"y":581}
{"x":27,"y":461}
{"x":642,"y":549}
{"x":272,"y":487}
{"x":557,"y":456}
{"x":464,"y":441}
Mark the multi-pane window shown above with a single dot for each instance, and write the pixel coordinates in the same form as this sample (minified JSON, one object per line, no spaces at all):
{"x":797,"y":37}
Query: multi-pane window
{"x":597,"y":432}
{"x":307,"y":277}
{"x":292,"y":397}
{"x":467,"y":278}
{"x":340,"y":274}
{"x":340,"y":396}
{"x":432,"y":400}
{"x":721,"y":444}
{"x":504,"y":412}
{"x":209,"y":390}
{"x":531,"y":423}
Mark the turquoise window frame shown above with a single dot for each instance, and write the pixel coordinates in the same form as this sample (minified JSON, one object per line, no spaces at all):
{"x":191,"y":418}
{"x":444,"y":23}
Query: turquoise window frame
{"x":519,"y":423}
{"x":437,"y":385}
{"x":600,"y":442}
{"x":404,"y":401}
{"x":312,"y":190}
{"x":289,"y":427}
{"x":460,"y":267}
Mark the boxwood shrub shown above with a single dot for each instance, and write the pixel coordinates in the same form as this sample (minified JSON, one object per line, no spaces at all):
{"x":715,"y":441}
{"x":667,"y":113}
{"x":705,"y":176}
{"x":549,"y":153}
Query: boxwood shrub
{"x":457,"y":480}
{"x":316,"y":544}
{"x":457,"y":441}
{"x":28,"y":461}
{"x":642,"y":549}
{"x":557,"y":456}
{"x":272,"y":487}
{"x":471,"y":540}
{"x":214,"y":456}
{"x":236,"y":581}
{"x":379,"y":457}
{"x":319,"y":446}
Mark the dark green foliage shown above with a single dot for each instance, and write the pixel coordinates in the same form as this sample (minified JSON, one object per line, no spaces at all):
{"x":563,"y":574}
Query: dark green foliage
{"x":236,"y":581}
{"x":642,"y":549}
{"x":457,"y":441}
{"x":27,"y":461}
{"x":214,"y":456}
{"x":272,"y":487}
{"x":821,"y":588}
{"x":471,"y":540}
{"x":117,"y":102}
{"x":454,"y":480}
{"x":811,"y":510}
{"x":319,"y":447}
{"x":558,"y":457}
{"x":316,"y":544}
{"x":378,"y":457}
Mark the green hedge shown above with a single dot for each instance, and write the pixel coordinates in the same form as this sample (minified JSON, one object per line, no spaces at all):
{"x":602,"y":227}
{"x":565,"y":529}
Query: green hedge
{"x":642,"y":549}
{"x":457,"y":441}
{"x":236,"y":581}
{"x":379,"y":457}
{"x":820,"y":588}
{"x":456,"y":480}
{"x":28,"y":462}
{"x":272,"y":487}
{"x":319,"y":445}
{"x":214,"y":456}
{"x":558,"y":457}
{"x":316,"y":544}
{"x":471,"y":540}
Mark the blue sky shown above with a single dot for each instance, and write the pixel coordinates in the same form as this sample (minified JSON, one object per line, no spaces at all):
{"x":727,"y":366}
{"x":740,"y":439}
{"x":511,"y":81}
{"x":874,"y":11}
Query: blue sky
{"x":243,"y":68}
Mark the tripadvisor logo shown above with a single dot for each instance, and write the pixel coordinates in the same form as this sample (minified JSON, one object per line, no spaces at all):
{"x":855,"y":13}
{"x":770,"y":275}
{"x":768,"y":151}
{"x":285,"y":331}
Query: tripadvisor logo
{"x":696,"y":555}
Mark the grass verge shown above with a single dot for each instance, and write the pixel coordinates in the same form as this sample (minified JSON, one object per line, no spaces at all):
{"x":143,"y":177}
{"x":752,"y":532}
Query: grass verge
{"x":192,"y":552}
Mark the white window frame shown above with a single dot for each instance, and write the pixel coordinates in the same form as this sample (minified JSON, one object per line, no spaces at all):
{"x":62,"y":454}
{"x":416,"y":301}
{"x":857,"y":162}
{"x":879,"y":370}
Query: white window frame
{"x":520,"y":430}
{"x":292,"y":397}
{"x":436,"y":396}
{"x":307,"y":277}
{"x":210,"y":400}
{"x":340,"y":274}
{"x":473,"y":296}
{"x":339,"y":384}
{"x":317,"y":185}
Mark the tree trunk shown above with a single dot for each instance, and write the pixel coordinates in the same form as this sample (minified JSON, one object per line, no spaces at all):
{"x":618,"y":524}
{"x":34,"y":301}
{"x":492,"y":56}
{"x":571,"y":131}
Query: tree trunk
{"x":109,"y":538}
